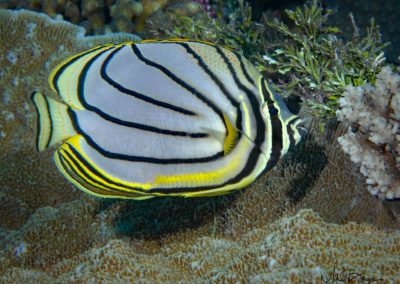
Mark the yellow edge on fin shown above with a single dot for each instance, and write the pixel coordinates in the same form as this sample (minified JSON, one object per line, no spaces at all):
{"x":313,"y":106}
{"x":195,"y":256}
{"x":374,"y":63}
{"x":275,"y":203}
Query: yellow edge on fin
{"x":100,"y":48}
{"x":172,"y":40}
{"x":119,"y":195}
{"x":66,"y":61}
{"x":169,"y":181}
{"x":209,"y":178}
{"x":44,"y":128}
{"x":75,"y":142}
{"x":285,"y":137}
{"x":74,"y":168}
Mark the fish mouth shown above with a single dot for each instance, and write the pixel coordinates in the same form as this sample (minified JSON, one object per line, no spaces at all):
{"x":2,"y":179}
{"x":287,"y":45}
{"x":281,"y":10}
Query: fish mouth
{"x":302,"y":132}
{"x":303,"y":126}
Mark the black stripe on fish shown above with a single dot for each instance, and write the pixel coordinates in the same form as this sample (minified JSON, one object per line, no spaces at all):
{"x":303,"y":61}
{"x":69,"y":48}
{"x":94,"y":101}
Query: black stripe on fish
{"x":82,"y":175}
{"x":124,"y":157}
{"x":243,"y":68}
{"x":84,"y":179}
{"x":67,"y":64}
{"x":220,"y":85}
{"x":180,"y":82}
{"x":259,"y":122}
{"x":277,"y":127}
{"x":82,"y":99}
{"x":94,"y":172}
{"x":255,"y":152}
{"x":104,"y":75}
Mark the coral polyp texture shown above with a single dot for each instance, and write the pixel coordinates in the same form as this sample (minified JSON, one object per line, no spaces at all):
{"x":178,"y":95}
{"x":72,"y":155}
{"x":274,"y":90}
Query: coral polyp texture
{"x":98,"y":16}
{"x":297,"y":249}
{"x":51,"y":233}
{"x":373,"y":139}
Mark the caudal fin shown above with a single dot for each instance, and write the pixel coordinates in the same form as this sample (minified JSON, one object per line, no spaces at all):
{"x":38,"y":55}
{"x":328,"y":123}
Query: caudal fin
{"x":54,"y":124}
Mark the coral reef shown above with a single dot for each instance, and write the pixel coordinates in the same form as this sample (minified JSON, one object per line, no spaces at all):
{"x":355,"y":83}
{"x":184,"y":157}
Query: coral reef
{"x":37,"y":242}
{"x":123,"y":12}
{"x":318,"y":175}
{"x":50,"y":233}
{"x":297,"y":249}
{"x":96,"y":16}
{"x":249,"y":235}
{"x":373,"y":140}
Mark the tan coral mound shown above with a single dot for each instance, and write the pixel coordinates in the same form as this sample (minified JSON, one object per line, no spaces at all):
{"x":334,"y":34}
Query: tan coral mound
{"x":337,"y":192}
{"x":297,"y":249}
{"x":52,"y":233}
{"x":317,"y":175}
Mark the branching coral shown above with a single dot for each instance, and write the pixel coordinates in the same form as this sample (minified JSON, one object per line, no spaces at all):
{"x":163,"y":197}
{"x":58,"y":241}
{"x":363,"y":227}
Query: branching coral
{"x":373,"y":140}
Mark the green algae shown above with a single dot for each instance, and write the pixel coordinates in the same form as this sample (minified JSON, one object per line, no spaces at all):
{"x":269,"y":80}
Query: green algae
{"x":301,"y":54}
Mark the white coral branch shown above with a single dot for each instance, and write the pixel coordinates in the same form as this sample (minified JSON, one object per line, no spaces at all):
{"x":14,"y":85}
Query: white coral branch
{"x":373,"y":140}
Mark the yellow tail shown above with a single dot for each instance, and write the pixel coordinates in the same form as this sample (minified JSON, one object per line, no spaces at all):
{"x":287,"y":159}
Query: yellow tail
{"x":54,"y":124}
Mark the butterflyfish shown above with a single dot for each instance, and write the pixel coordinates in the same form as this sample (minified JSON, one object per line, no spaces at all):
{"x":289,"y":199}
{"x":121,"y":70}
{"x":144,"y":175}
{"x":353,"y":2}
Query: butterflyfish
{"x":162,"y":118}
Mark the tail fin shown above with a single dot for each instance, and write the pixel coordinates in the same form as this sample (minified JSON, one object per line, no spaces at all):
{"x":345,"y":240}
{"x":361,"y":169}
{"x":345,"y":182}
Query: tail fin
{"x":53,"y":122}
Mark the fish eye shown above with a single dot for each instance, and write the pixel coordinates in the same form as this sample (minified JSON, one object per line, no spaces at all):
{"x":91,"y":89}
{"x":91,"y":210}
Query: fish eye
{"x":273,"y":111}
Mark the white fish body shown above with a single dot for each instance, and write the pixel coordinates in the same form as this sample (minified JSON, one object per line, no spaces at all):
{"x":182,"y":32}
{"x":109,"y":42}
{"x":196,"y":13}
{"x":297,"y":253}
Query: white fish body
{"x":156,"y":118}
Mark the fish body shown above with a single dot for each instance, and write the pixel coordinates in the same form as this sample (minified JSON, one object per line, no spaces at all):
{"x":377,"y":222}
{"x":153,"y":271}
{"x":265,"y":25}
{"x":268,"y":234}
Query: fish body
{"x":163,"y":118}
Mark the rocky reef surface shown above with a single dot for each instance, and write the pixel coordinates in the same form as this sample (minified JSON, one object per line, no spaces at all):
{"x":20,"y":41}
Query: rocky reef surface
{"x":103,"y":16}
{"x":308,"y":219}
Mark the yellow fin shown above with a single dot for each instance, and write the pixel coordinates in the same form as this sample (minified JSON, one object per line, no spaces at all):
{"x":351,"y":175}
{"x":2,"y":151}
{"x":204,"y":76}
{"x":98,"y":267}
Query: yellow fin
{"x":78,"y":173}
{"x":54,"y":124}
{"x":227,"y":140}
{"x":232,"y":136}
